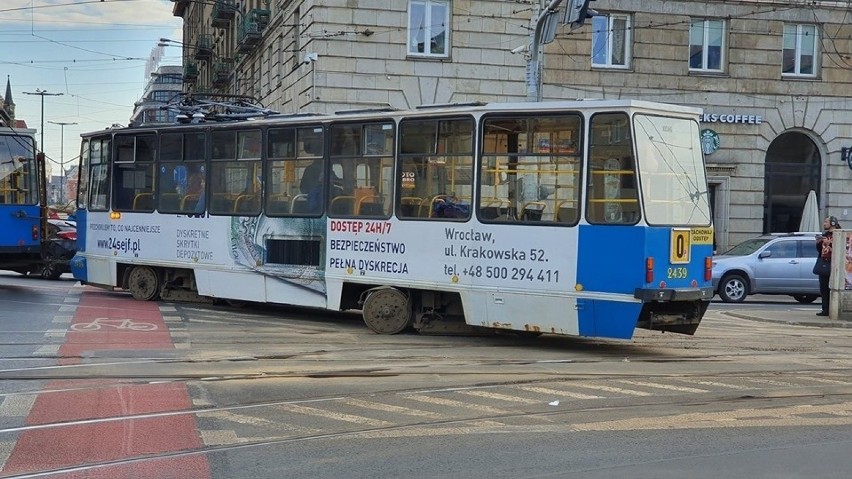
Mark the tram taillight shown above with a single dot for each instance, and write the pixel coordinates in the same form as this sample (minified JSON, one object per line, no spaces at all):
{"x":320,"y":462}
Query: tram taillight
{"x":708,"y":268}
{"x":35,"y":233}
{"x":649,"y":269}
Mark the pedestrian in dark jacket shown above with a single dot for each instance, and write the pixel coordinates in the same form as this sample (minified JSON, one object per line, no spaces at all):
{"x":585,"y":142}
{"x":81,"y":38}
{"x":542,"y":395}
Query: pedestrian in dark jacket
{"x":822,"y":268}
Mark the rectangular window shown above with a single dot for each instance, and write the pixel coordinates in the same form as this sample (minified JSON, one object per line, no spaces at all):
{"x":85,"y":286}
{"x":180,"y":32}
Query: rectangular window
{"x":611,"y":40}
{"x":182,"y":173}
{"x":99,"y":156}
{"x":707,"y":45}
{"x":435,"y":172}
{"x":429,"y":28}
{"x":800,"y":50}
{"x":235,"y":172}
{"x":18,"y":172}
{"x":294,"y":180}
{"x":133,"y":174}
{"x":671,"y":166}
{"x":613,"y":197}
{"x":530,"y":168}
{"x":360,"y":181}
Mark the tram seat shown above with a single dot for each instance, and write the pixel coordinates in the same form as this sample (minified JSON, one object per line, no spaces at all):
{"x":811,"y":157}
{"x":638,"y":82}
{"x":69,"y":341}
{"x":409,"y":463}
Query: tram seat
{"x":533,"y":211}
{"x":370,"y":206}
{"x":409,"y":206}
{"x":492,"y":209}
{"x":188,"y":202}
{"x":278,"y":205}
{"x":300,"y":205}
{"x":169,"y":202}
{"x":247,"y":204}
{"x":342,"y":205}
{"x":143,"y":202}
{"x":221,"y":204}
{"x":565,"y":213}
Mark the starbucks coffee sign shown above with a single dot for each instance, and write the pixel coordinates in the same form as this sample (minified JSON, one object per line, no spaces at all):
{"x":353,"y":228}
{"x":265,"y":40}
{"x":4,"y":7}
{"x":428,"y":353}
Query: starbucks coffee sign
{"x":709,"y":141}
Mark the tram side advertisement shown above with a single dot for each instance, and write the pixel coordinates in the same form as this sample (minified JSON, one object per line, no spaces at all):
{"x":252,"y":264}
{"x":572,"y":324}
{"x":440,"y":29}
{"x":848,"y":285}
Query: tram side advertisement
{"x":489,"y":255}
{"x":158,"y":240}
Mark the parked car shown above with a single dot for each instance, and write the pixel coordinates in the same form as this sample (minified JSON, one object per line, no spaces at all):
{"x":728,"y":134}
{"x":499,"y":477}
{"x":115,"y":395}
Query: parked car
{"x":60,"y":248}
{"x":768,"y":264}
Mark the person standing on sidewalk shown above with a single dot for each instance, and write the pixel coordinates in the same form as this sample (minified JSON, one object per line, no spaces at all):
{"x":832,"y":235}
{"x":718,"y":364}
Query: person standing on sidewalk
{"x":822,"y":268}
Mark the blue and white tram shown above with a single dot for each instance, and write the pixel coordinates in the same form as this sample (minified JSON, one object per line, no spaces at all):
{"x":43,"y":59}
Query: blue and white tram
{"x":22,"y":202}
{"x":579,"y":218}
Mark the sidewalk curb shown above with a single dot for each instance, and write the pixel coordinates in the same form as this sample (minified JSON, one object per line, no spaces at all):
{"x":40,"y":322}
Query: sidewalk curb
{"x":820,"y":323}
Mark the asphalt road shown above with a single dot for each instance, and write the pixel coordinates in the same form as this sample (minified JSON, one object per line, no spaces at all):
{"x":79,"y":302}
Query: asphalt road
{"x":95,"y":384}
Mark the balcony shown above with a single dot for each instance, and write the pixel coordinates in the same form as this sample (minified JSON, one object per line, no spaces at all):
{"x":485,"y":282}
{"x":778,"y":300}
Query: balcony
{"x":190,"y":72}
{"x":223,"y":13}
{"x":251,"y":29}
{"x":222,"y":72}
{"x":204,"y":47}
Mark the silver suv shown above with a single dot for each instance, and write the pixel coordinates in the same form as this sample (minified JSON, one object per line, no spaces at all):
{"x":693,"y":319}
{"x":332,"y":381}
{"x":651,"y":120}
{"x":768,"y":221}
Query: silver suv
{"x":768,"y":264}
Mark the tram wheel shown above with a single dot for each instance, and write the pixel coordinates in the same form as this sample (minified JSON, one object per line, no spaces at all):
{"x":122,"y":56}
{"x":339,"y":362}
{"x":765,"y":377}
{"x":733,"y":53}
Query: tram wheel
{"x":387,"y":311}
{"x":143,"y":283}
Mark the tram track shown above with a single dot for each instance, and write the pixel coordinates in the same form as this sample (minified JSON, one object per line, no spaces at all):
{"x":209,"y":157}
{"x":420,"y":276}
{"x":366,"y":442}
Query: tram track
{"x":481,"y":423}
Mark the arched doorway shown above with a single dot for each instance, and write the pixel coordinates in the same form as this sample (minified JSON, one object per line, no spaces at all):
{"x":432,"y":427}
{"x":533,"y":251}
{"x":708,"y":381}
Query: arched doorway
{"x":792,"y":170}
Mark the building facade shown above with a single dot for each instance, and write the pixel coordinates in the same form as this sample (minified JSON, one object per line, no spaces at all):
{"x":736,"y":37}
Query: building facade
{"x":773,"y":77}
{"x":164,"y":85}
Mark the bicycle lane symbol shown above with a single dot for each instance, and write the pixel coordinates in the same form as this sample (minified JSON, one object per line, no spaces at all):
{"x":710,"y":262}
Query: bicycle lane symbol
{"x":117,"y":324}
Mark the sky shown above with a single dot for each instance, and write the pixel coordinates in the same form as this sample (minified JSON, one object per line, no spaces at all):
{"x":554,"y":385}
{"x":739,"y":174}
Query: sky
{"x":95,"y":52}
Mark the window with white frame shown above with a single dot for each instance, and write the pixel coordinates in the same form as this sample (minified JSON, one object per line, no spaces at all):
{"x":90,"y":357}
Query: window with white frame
{"x":611,"y":38}
{"x":707,"y":45}
{"x":429,"y":28}
{"x":800,"y":50}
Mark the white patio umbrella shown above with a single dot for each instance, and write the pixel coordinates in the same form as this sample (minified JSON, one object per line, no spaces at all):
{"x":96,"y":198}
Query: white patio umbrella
{"x":810,"y":215}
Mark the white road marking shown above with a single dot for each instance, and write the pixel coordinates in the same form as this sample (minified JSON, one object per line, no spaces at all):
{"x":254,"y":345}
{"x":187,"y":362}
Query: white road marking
{"x":556,"y":392}
{"x":453,"y":403}
{"x":663,"y":386}
{"x":17,"y":406}
{"x":501,"y":397}
{"x":310,"y":411}
{"x":390,"y":408}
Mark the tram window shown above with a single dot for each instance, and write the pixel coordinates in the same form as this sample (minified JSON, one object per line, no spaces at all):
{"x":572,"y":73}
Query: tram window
{"x":671,"y":171}
{"x":613,"y":197}
{"x":182,"y":173}
{"x":294,"y":184}
{"x":530,"y":169}
{"x":360,"y":179}
{"x":99,"y":155}
{"x":435,"y":173}
{"x":133,"y":173}
{"x":235,"y":179}
{"x":83,"y":175}
{"x":17,"y":171}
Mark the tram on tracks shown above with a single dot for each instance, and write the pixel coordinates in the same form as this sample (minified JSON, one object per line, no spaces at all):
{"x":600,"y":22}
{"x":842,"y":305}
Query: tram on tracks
{"x":583,"y":218}
{"x":22,"y":202}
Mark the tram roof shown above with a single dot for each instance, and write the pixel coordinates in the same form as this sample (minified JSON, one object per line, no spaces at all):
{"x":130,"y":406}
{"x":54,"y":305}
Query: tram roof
{"x":429,"y":110}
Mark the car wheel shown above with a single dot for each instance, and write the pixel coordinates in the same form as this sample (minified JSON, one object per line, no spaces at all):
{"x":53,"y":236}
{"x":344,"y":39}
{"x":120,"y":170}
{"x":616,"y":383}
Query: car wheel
{"x":805,"y":298}
{"x":733,"y":288}
{"x":50,"y":269}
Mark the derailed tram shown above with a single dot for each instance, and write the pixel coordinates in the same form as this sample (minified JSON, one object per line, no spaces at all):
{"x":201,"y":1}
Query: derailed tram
{"x":585,"y":218}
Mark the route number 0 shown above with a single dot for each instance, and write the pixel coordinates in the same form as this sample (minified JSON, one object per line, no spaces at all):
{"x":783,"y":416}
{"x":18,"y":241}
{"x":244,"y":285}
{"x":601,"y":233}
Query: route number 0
{"x":680,"y":246}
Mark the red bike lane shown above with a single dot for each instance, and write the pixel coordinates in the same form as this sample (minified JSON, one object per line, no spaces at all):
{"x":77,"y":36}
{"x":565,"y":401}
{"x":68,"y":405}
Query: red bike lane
{"x":92,"y":409}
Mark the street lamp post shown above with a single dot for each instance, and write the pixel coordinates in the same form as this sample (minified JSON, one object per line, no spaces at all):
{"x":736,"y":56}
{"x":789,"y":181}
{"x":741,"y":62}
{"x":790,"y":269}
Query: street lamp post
{"x":42,"y":94}
{"x":62,"y":156}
